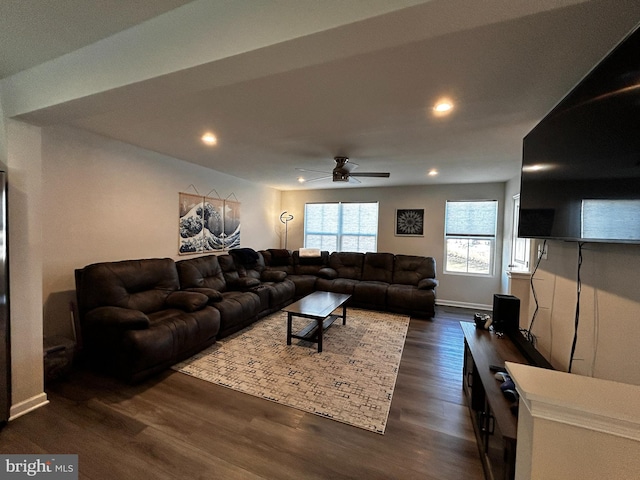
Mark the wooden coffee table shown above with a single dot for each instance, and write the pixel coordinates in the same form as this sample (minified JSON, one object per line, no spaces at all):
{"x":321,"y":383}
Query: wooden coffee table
{"x":317,"y":306}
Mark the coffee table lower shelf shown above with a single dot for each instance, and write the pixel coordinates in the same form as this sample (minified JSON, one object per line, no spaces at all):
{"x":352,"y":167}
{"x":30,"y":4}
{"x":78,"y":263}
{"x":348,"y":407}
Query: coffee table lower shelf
{"x":318,"y":307}
{"x":310,"y":332}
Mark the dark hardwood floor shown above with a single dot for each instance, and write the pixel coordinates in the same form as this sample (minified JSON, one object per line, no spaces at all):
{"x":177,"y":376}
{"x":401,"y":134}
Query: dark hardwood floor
{"x":179,"y":427}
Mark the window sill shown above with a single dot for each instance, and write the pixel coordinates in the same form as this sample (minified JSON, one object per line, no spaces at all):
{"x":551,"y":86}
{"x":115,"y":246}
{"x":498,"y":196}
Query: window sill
{"x":519,"y":274}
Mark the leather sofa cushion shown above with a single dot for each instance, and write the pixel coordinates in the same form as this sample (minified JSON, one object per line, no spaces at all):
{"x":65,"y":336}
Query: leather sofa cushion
{"x":117,"y":318}
{"x":237,"y":310}
{"x":212,"y":295}
{"x":278,"y":265}
{"x":280,"y":257}
{"x":410,"y":300}
{"x":187,"y":301}
{"x":228,"y":266}
{"x":371,"y":293}
{"x":237,"y":277}
{"x":427,"y":283}
{"x":378,"y":267}
{"x":246,"y":257}
{"x":339,"y":285}
{"x":248,"y":262}
{"x":279,"y":292}
{"x":242,"y":283}
{"x":135,"y":284}
{"x":309,"y":265}
{"x":347,"y":264}
{"x":410,"y":269}
{"x":304,"y":284}
{"x":172,"y":336}
{"x":201,"y":272}
{"x":327,"y":273}
{"x":273,"y":276}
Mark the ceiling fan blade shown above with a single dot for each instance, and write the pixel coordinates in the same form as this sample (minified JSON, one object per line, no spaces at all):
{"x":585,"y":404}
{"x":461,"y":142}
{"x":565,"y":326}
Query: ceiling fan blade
{"x":315,"y":171}
{"x":349,"y":167}
{"x":371,"y":174}
{"x":353,"y":179}
{"x":317,"y":179}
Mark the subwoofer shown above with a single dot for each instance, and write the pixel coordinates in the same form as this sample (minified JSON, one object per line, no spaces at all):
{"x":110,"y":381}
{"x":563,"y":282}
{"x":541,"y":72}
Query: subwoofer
{"x":506,"y":313}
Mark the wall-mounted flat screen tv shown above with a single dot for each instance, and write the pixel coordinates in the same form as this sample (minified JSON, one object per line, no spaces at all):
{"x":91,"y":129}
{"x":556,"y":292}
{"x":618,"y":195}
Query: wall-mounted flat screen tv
{"x":581,"y":164}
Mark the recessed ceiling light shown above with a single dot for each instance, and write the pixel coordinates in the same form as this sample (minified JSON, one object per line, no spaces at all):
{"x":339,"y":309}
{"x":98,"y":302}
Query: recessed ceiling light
{"x":209,"y":138}
{"x":443,"y":107}
{"x":433,"y":172}
{"x":301,"y":179}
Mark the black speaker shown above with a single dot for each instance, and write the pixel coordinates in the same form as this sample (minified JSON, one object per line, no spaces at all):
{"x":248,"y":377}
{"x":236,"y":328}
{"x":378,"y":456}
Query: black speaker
{"x":506,"y":313}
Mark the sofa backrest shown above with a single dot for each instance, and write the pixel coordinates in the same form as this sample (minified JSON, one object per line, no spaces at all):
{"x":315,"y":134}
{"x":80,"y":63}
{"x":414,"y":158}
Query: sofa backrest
{"x":410,"y":269}
{"x":201,"y":272}
{"x":136,"y":284}
{"x":347,"y":264}
{"x":378,"y":267}
{"x":278,"y":259}
{"x":248,"y":262}
{"x":309,"y":265}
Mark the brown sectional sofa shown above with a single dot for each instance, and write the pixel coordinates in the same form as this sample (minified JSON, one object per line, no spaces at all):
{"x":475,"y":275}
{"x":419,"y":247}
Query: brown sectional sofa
{"x":378,"y":281}
{"x":141,"y":316}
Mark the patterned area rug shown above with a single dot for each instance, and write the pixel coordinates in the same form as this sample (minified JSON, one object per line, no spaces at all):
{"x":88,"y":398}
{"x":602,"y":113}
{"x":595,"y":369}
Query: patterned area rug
{"x":351,"y":381}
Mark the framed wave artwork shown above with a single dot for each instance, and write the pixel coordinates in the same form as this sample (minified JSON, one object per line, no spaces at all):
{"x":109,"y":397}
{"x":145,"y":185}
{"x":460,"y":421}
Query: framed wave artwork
{"x":207,"y":224}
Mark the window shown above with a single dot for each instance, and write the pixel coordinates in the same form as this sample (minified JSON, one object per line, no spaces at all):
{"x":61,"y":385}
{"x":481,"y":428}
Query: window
{"x":341,"y":227}
{"x":470,"y":236}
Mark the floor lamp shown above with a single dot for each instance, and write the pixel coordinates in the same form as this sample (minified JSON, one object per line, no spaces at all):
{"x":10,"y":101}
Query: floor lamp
{"x":284,"y":218}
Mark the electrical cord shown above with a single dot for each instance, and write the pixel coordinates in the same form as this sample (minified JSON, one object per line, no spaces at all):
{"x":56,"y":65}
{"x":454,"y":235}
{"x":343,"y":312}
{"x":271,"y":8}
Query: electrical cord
{"x":527,"y":333}
{"x":577,"y":319}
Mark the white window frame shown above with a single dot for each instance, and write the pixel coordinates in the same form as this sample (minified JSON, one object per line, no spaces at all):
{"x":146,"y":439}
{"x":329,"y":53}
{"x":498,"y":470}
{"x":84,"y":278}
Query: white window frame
{"x":340,"y":234}
{"x":491,"y":238}
{"x":520,"y":247}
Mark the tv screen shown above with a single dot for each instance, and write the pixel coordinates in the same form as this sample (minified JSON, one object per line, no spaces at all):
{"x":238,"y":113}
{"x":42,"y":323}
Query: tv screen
{"x":581,"y":164}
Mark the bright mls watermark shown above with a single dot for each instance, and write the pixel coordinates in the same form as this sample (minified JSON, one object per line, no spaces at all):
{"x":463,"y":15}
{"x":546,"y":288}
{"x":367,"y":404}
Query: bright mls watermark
{"x":51,"y":467}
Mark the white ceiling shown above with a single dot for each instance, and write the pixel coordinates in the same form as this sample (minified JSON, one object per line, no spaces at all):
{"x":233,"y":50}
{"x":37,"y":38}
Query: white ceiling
{"x":35,"y":31}
{"x":357,"y":82}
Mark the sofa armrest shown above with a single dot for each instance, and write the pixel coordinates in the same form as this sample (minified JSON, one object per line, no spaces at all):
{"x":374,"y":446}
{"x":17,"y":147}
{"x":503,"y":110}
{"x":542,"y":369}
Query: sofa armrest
{"x":328,"y":273}
{"x":187,"y":301}
{"x":117,"y":318}
{"x":243,"y":283}
{"x":212,"y":294}
{"x":273,"y":276}
{"x":427,"y":284}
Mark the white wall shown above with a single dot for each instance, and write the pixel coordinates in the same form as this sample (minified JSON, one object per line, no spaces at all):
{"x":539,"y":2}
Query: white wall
{"x":25,"y":214}
{"x":106,"y":201}
{"x":609,"y":316}
{"x":460,"y":290}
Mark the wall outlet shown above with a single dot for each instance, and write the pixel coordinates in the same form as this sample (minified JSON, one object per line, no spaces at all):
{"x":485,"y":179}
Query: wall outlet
{"x":543,"y":250}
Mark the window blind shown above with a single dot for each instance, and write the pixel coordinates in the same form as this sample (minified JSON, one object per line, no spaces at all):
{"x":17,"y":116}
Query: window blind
{"x":341,"y":227}
{"x":471,"y":218}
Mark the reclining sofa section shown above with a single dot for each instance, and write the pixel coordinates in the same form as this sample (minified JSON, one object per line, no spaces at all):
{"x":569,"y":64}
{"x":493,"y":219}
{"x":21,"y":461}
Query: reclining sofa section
{"x":140,"y":316}
{"x":136,"y":321}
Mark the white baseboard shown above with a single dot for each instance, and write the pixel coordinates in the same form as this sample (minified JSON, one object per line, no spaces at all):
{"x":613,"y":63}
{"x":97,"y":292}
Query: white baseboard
{"x":28,"y":405}
{"x":473,"y":306}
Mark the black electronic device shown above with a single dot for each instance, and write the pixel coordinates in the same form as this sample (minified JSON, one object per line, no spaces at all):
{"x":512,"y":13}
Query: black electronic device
{"x":506,"y":313}
{"x":581,"y":164}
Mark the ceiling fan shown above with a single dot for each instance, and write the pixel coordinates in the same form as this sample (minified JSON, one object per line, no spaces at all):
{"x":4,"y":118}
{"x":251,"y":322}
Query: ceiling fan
{"x":344,"y":172}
